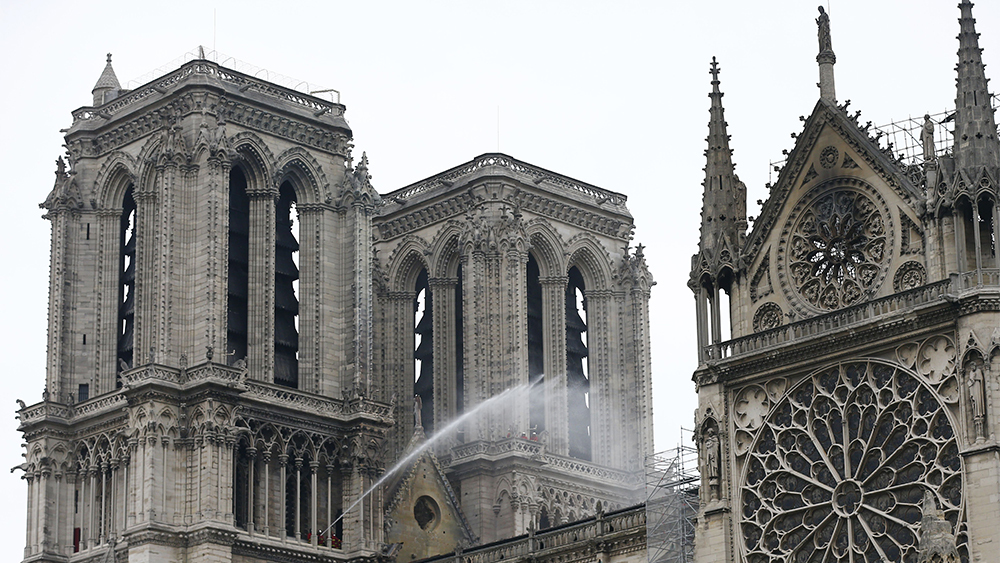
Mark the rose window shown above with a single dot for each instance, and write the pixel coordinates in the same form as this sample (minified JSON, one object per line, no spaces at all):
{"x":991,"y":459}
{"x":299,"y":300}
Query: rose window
{"x":840,"y":465}
{"x":837,"y":249}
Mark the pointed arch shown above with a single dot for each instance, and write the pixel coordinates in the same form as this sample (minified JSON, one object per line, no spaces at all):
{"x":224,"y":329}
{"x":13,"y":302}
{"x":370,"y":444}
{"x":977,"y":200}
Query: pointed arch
{"x":592,"y":259}
{"x":305,"y":173}
{"x":406,"y":261}
{"x":548,"y":248}
{"x":445,"y":253}
{"x":118,"y":173}
{"x":251,"y":153}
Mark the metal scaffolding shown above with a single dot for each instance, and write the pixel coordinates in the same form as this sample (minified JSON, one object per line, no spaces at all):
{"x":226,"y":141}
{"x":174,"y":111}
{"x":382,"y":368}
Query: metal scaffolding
{"x":672,"y":482}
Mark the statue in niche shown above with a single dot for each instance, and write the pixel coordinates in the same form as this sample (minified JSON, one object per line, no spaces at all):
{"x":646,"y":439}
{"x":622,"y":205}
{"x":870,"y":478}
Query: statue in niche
{"x":418,"y":405}
{"x":977,"y":397}
{"x":823,"y":21}
{"x":710,"y":455}
{"x":927,"y":138}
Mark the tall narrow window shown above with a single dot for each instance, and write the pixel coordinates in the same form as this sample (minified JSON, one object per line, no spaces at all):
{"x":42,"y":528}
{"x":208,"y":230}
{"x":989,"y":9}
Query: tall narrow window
{"x":987,"y":235}
{"x":536,"y":350}
{"x":239,"y":266}
{"x":966,"y":215}
{"x":286,"y":281}
{"x":459,"y":351}
{"x":126,"y":283}
{"x":577,"y":379}
{"x":423,"y":355}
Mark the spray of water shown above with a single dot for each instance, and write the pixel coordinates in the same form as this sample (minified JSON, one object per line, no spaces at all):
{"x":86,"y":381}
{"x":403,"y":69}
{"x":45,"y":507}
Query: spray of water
{"x":452,"y":426}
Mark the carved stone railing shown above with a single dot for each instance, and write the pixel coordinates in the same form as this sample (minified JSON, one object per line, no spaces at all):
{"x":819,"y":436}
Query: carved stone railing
{"x":535,"y":450}
{"x":218,"y":373}
{"x":855,"y":314}
{"x":537,"y":175}
{"x":316,"y":404}
{"x":980,"y":278}
{"x":47,"y":409}
{"x":628,"y":521}
{"x":207,"y":68}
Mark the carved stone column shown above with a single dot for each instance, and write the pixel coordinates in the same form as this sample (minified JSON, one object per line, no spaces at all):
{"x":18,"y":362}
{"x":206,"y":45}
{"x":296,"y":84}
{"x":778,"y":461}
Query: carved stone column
{"x":260,"y":287}
{"x":554,"y":350}
{"x":445,"y":357}
{"x":309,"y":295}
{"x":611,"y":414}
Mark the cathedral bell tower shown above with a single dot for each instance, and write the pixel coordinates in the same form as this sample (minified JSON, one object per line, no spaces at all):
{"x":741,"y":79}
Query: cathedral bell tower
{"x":195,"y":405}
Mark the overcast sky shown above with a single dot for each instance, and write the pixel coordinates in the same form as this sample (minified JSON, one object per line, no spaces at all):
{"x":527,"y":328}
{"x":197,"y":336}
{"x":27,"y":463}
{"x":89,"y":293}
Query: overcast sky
{"x":613,"y":94}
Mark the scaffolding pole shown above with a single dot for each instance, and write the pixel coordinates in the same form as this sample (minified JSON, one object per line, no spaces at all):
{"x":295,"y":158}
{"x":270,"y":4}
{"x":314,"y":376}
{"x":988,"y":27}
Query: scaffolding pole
{"x":672,"y":482}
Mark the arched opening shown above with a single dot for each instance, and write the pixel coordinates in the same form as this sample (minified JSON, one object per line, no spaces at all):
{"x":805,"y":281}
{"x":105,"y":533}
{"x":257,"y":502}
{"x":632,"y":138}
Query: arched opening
{"x":286,"y":281}
{"x":724,"y":316}
{"x":966,"y":233}
{"x":543,"y":519}
{"x":239,"y":267}
{"x":126,"y":287}
{"x":459,"y":351}
{"x":987,"y":231}
{"x":242,"y":488}
{"x":577,"y":373}
{"x":298,"y":498}
{"x":423,"y":354}
{"x":536,"y":349}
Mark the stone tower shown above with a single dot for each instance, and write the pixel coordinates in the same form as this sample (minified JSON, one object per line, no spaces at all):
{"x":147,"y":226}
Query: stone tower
{"x":233,"y":346}
{"x":208,"y":386}
{"x":523,"y":277}
{"x":852,"y":412}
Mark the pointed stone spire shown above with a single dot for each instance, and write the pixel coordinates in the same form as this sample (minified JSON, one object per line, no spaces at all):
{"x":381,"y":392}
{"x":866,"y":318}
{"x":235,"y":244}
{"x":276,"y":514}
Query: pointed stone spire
{"x":107,"y":86}
{"x":826,"y":58}
{"x":976,"y":144}
{"x":724,"y":204}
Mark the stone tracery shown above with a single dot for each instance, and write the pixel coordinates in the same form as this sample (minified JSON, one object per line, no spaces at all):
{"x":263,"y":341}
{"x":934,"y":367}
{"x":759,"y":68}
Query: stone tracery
{"x":837,"y":248}
{"x":840,"y":467}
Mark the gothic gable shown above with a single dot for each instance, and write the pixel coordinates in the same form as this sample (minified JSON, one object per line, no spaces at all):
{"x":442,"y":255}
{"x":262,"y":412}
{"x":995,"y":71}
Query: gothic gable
{"x":837,"y":225}
{"x":422,"y":511}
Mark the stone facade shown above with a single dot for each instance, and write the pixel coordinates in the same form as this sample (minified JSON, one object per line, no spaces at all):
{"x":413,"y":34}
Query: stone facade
{"x":852,"y":415}
{"x":232,"y":346}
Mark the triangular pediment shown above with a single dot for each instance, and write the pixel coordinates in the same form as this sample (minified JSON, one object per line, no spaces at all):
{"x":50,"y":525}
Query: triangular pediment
{"x":839,"y":220}
{"x":422,"y":512}
{"x":811,"y":162}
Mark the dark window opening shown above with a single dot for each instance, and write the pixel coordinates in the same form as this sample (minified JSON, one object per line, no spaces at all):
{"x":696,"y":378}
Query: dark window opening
{"x":459,"y":351}
{"x":543,"y":520}
{"x":536,"y":350}
{"x":423,"y":355}
{"x":286,"y":281}
{"x":987,"y":235}
{"x":239,"y":267}
{"x":241,"y":487}
{"x":300,"y":496}
{"x":577,"y":380}
{"x":83,"y":392}
{"x":126,"y":284}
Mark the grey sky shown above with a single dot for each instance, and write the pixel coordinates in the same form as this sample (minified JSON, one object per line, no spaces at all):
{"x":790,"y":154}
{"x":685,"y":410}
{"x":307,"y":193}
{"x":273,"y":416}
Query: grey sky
{"x":610,"y":93}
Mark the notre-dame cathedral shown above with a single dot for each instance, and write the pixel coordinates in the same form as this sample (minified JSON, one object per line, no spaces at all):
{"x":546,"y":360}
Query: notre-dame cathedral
{"x":854,"y":414}
{"x":245,"y":338}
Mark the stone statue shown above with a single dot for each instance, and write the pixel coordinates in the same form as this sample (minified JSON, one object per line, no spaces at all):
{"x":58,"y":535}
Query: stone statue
{"x":418,"y":405}
{"x":927,"y":138}
{"x":977,"y":398}
{"x":823,"y":21}
{"x":710,"y":451}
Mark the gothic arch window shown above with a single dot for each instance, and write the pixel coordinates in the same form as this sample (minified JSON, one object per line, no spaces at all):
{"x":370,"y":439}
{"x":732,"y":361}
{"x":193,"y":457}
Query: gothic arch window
{"x":536,"y":347}
{"x":286,"y":282}
{"x":237,"y":317}
{"x":840,"y":465}
{"x":423,"y":354}
{"x":126,"y":282}
{"x":577,"y":373}
{"x":987,"y":226}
